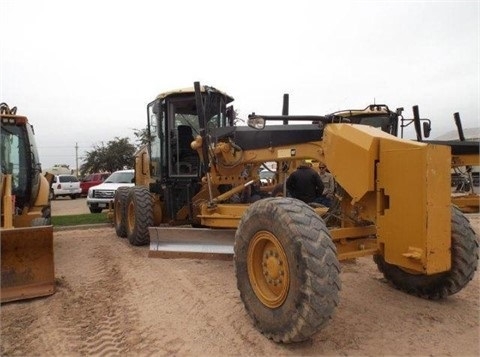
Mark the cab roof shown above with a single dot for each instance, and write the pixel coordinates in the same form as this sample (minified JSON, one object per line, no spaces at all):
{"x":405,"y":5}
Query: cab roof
{"x":191,"y":90}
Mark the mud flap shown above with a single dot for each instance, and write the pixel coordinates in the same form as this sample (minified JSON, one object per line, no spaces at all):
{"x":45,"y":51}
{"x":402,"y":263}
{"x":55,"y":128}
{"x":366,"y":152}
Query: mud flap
{"x":27,"y":263}
{"x":196,"y":243}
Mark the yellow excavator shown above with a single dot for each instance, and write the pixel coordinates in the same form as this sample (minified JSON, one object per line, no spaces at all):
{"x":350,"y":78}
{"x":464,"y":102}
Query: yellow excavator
{"x":195,"y":183}
{"x":27,"y":259}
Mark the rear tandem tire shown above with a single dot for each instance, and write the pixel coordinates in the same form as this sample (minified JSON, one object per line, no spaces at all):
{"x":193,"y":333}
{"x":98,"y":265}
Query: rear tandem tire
{"x":139,"y":214}
{"x":120,"y":211}
{"x":438,"y":286}
{"x":287,"y":273}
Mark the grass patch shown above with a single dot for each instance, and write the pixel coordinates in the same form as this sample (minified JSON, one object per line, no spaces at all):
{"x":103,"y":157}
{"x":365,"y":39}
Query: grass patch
{"x":79,"y":219}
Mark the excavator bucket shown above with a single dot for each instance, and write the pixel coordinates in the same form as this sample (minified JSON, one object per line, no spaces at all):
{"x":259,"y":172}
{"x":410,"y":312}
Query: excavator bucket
{"x":27,"y":263}
{"x":201,"y":243}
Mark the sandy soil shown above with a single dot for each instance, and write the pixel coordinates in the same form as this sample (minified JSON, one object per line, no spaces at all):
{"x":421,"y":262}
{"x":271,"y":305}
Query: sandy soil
{"x":113,"y":300}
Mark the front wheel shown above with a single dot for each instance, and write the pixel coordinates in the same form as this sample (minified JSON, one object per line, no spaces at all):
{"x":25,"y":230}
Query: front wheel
{"x":464,"y":252}
{"x":139,"y":213}
{"x":287,"y":273}
{"x":95,"y":210}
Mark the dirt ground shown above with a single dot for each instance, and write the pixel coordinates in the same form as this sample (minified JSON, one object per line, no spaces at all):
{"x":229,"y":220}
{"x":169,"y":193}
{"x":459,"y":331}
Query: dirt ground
{"x":112,"y":300}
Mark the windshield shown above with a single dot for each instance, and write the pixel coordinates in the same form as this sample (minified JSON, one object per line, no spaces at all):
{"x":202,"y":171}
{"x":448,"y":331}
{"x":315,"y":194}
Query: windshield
{"x":14,"y":157}
{"x":378,"y":121}
{"x":68,"y":179}
{"x":265,"y":174}
{"x":120,"y":177}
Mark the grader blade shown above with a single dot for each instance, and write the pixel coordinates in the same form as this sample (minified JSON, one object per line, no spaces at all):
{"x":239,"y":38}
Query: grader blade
{"x":196,"y":243}
{"x":27,"y":263}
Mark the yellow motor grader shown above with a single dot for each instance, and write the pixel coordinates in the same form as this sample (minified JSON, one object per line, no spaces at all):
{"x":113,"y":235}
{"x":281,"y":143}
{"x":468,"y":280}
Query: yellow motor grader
{"x":193,"y":198}
{"x":26,"y":230}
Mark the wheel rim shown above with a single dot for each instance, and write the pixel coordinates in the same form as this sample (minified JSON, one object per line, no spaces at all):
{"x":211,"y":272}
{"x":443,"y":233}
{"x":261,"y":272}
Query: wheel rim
{"x":131,"y":216}
{"x":118,"y":213}
{"x":268,"y":269}
{"x":410,"y":271}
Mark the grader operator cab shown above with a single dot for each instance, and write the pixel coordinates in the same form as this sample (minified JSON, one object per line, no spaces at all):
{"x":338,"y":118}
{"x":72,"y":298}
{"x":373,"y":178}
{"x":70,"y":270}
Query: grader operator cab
{"x":26,"y":231}
{"x":394,"y":204}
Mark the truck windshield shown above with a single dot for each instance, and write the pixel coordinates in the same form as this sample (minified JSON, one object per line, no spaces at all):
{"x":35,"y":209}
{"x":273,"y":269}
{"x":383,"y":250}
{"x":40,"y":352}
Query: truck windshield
{"x":120,"y":177}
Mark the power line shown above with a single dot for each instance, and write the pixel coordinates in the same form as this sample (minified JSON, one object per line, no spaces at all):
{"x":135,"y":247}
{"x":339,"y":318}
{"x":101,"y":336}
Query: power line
{"x":62,"y":147}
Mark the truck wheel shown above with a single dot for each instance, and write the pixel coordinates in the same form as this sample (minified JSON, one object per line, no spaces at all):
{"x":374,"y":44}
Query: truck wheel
{"x":120,"y":211}
{"x":51,"y":195}
{"x":286,"y":268}
{"x":139,"y":215}
{"x":95,"y":210}
{"x":439,"y":286}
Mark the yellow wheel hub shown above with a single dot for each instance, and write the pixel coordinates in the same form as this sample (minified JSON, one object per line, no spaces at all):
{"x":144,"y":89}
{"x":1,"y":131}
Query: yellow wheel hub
{"x":130,"y":216}
{"x":268,"y":269}
{"x":118,"y":214}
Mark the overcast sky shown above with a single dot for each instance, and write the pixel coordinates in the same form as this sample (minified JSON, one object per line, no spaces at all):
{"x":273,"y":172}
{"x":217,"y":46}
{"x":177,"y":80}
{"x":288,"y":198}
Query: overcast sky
{"x":84,"y":71}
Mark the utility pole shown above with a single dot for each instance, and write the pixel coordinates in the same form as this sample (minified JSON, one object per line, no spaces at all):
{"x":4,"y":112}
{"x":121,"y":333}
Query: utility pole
{"x":76,"y":159}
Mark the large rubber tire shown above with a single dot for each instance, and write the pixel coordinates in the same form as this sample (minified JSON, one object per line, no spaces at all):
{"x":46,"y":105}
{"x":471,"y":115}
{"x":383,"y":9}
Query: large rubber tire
{"x":139,"y":215}
{"x":286,"y":268}
{"x":120,"y":211}
{"x":95,"y":210}
{"x":439,"y":286}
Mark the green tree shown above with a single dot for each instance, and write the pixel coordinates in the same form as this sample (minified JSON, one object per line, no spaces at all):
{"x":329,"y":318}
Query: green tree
{"x":141,"y":136}
{"x":117,"y":154}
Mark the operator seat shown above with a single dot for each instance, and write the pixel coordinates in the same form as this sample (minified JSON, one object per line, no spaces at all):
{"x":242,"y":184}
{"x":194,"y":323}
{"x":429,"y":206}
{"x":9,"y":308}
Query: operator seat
{"x":188,"y":157}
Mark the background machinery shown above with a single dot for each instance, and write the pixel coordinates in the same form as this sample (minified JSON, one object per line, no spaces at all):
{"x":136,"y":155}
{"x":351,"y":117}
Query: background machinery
{"x":192,"y":197}
{"x":465,"y":153}
{"x":26,"y":231}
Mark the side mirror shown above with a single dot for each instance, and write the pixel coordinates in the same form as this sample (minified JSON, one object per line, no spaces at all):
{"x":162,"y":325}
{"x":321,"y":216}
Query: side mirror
{"x":256,"y":122}
{"x":427,"y":128}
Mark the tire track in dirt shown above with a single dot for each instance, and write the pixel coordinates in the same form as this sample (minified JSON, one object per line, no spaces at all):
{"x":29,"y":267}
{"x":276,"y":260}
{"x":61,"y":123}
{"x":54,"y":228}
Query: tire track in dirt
{"x":175,"y":287}
{"x":92,"y":317}
{"x":112,"y":299}
{"x":109,"y":319}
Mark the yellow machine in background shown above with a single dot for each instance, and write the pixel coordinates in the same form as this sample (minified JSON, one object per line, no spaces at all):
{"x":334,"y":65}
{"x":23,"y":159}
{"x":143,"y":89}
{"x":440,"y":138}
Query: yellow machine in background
{"x":193,"y":197}
{"x":26,"y":232}
{"x":464,"y":153}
